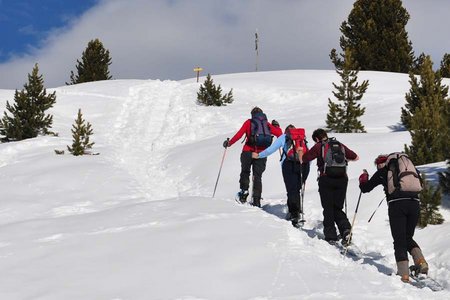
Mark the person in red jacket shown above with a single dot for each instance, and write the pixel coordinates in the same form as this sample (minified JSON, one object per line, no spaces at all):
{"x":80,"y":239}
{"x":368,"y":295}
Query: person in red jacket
{"x":332,"y":186}
{"x":258,"y":133}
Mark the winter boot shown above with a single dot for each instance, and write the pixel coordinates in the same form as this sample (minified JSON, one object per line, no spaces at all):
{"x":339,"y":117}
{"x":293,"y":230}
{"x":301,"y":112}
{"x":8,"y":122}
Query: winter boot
{"x":256,"y":202}
{"x":295,"y":218}
{"x":403,"y":270}
{"x":419,"y":260}
{"x":288,"y":216}
{"x":243,"y":194}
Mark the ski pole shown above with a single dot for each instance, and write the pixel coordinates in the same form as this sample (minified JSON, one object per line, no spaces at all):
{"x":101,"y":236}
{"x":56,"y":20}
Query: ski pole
{"x":220,"y":169}
{"x":252,"y":186}
{"x":302,"y":192}
{"x":376,"y":209}
{"x":345,"y":201}
{"x":353,"y":223}
{"x":302,"y":198}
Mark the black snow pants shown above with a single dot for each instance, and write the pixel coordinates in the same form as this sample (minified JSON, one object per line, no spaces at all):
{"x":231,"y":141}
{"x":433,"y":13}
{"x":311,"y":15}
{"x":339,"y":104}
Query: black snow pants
{"x":332,"y":196}
{"x":257,"y":166}
{"x":294,"y":175}
{"x":403,"y":218}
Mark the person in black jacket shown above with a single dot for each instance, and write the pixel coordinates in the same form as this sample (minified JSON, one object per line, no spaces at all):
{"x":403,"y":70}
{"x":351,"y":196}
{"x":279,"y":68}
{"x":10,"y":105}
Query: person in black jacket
{"x":403,"y":217}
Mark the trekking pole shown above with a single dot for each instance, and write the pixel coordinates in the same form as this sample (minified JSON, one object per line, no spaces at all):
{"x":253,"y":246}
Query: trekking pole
{"x":302,"y":196}
{"x":220,"y":169}
{"x":353,"y":223}
{"x":345,"y":201}
{"x":376,"y":209}
{"x":251,"y":187}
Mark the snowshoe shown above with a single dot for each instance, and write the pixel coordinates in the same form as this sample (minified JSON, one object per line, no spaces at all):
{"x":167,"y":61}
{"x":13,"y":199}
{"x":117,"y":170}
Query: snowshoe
{"x":421,"y":280}
{"x":241,"y":196}
{"x":296,"y":221}
{"x":256,"y":202}
{"x":288,"y":216}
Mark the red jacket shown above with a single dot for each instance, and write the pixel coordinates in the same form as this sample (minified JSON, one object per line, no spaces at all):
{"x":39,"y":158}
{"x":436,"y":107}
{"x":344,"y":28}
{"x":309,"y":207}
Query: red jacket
{"x":245,"y":129}
{"x":316,"y":152}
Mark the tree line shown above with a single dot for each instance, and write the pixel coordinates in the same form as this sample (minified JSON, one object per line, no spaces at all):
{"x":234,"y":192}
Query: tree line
{"x":27,"y":117}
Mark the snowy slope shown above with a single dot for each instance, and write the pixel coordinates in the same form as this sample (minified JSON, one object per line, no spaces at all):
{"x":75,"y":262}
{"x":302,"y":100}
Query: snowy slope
{"x":138,"y":220}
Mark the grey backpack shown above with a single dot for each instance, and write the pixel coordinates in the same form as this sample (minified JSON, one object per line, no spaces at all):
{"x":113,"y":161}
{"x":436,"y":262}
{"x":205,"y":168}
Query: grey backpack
{"x":335,"y":162}
{"x":403,"y":179}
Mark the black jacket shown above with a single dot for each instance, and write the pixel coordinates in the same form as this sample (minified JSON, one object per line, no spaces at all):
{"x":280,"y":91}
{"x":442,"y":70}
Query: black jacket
{"x":380,"y":177}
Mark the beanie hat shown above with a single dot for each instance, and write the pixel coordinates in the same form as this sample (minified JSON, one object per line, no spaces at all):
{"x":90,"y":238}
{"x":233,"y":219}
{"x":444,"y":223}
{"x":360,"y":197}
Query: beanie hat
{"x":380,"y":161}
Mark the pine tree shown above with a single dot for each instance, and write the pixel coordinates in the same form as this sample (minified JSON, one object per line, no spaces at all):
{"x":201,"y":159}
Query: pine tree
{"x":417,"y":63}
{"x":94,"y":64}
{"x":344,"y":116}
{"x":210,"y":95}
{"x":426,"y":116}
{"x":430,"y":200}
{"x":28,"y":116}
{"x":375,"y":34}
{"x":428,"y":83}
{"x":444,"y":179}
{"x":81,"y":131}
{"x":445,"y":66}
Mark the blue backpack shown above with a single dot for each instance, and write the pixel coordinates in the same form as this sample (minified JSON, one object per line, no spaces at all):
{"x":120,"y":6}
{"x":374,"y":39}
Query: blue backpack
{"x":260,"y":135}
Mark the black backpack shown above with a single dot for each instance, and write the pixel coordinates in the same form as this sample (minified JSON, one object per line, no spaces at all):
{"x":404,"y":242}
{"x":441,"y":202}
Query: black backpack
{"x":260,"y":135}
{"x":333,"y":155}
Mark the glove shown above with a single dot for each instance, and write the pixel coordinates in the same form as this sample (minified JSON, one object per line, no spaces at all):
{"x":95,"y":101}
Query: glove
{"x":225,"y":143}
{"x":364,"y":177}
{"x":275,"y":123}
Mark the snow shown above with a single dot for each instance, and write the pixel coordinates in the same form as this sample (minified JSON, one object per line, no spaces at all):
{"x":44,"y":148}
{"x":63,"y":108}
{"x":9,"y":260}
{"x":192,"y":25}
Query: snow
{"x":138,"y":221}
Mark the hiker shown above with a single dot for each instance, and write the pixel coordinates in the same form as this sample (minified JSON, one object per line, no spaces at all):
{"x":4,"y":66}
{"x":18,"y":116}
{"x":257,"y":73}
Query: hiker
{"x":293,"y":145}
{"x":332,"y":157}
{"x":258,"y":133}
{"x":403,"y":207}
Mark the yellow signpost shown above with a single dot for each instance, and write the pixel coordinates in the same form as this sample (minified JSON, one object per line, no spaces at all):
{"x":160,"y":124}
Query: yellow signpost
{"x":198,"y":69}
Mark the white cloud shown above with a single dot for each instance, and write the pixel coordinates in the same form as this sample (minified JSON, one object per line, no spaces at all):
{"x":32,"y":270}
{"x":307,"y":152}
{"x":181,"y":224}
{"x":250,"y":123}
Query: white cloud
{"x":166,"y":39}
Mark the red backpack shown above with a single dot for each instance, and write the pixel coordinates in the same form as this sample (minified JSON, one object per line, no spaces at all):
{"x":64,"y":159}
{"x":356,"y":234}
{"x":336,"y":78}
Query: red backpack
{"x":295,"y":139}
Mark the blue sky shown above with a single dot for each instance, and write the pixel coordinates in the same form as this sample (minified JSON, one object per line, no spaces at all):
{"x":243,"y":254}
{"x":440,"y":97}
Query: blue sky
{"x":25,"y":23}
{"x":166,"y":39}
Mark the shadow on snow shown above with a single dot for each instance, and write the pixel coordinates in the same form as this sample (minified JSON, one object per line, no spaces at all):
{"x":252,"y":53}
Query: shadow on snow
{"x":371,"y":258}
